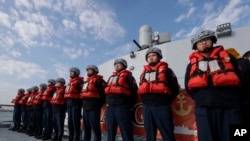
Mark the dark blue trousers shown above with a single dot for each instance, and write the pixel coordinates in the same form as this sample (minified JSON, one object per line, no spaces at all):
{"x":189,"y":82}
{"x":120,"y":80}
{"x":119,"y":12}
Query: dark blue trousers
{"x":158,"y":116}
{"x":47,"y":115}
{"x":91,"y":120}
{"x":38,"y":117}
{"x":58,"y":122}
{"x":74,"y":118}
{"x":119,"y":115}
{"x":24,"y":118}
{"x":213,"y":124}
{"x":31,"y":119}
{"x":17,"y":116}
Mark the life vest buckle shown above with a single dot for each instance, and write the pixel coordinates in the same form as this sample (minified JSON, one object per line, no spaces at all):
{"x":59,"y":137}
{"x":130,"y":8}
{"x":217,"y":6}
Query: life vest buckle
{"x":208,"y":73}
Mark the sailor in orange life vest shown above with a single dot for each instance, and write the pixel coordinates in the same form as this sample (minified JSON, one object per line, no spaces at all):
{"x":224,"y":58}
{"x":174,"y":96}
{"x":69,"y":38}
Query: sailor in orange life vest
{"x":158,"y":88}
{"x":32,"y":128}
{"x":244,"y":63}
{"x":58,"y":109}
{"x":212,"y":79}
{"x":17,"y":109}
{"x":93,"y":99}
{"x":121,"y":95}
{"x":29,"y":110}
{"x":38,"y":110}
{"x":47,"y":109}
{"x":74,"y":103}
{"x":23,"y":101}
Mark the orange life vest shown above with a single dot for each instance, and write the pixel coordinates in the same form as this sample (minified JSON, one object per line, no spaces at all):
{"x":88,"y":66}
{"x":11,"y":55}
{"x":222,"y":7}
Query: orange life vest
{"x":18,"y":98}
{"x":37,"y":98}
{"x":58,"y":97}
{"x":153,"y":80}
{"x":89,"y":89}
{"x":30,"y":99}
{"x":47,"y":95}
{"x":24,"y":98}
{"x":221,"y":71}
{"x":71,"y":90}
{"x":117,"y":83}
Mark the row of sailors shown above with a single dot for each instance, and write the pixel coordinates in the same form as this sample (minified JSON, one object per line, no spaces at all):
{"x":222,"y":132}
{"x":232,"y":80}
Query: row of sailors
{"x":119,"y":94}
{"x":43,"y":109}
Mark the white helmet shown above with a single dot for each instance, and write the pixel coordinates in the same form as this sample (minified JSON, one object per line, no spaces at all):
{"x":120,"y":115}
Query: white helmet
{"x":75,"y":70}
{"x":60,"y":79}
{"x":29,"y":90}
{"x":52,"y":81}
{"x":35,"y":88}
{"x":154,"y":50}
{"x":43,"y":85}
{"x":122,"y":61}
{"x":202,"y":35}
{"x":94,"y":67}
{"x":21,"y":90}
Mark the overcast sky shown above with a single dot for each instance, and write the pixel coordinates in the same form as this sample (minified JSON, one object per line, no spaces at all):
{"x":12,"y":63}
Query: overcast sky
{"x":42,"y":39}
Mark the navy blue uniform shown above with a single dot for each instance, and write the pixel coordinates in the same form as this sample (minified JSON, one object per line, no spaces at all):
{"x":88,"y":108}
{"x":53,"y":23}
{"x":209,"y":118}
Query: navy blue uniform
{"x":244,"y":65}
{"x":91,"y":113}
{"x":74,"y":106}
{"x":119,"y":113}
{"x":216,"y":107}
{"x":157,"y":111}
{"x":58,"y":111}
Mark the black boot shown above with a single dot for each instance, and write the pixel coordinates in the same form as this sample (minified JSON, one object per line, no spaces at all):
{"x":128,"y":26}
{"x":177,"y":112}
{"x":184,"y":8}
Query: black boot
{"x":16,"y":129}
{"x":54,"y":138}
{"x":38,"y":135}
{"x":28,"y":131}
{"x":20,"y":129}
{"x":31,"y":133}
{"x":23,"y":130}
{"x":46,"y":137}
{"x":12,"y":128}
{"x":41,"y":136}
{"x":59,"y":139}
